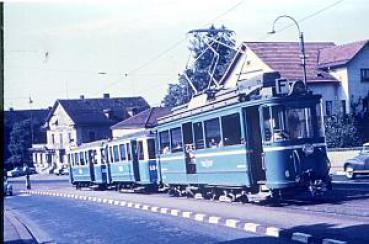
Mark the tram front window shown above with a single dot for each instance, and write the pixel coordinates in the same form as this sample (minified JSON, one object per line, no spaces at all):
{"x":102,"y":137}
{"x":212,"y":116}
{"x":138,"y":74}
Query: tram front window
{"x":283,"y":123}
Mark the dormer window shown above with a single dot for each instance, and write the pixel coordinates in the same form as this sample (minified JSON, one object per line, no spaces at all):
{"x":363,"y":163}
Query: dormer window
{"x":364,"y":75}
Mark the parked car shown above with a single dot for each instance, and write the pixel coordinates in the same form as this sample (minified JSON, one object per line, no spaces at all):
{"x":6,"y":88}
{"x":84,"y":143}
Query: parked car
{"x":8,"y":188}
{"x":358,"y":165}
{"x":62,"y":171}
{"x":16,"y":172}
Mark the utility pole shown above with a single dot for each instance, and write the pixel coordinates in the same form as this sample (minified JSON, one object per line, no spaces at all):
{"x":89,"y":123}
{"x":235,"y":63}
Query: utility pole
{"x":302,"y":45}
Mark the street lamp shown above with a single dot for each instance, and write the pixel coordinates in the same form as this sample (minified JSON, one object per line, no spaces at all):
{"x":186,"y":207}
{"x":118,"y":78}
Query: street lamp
{"x":301,"y":36}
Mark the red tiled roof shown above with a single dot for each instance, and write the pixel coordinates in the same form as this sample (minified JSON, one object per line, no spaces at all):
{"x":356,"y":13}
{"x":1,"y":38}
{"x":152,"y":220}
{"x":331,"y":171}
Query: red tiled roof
{"x":284,"y":57}
{"x":340,"y":55}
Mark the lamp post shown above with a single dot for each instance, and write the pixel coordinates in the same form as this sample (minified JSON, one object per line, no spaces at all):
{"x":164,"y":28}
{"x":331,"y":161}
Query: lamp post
{"x":301,"y":36}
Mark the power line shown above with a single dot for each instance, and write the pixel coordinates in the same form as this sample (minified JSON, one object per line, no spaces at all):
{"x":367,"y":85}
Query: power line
{"x":305,"y":18}
{"x":173,"y":46}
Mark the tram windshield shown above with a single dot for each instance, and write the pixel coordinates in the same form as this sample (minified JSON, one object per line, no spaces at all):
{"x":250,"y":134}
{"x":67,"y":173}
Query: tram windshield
{"x":283,"y":123}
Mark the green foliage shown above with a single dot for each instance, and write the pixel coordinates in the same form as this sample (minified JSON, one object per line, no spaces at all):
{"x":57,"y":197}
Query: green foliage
{"x":341,"y":131}
{"x":351,"y":130}
{"x":204,"y":65}
{"x":20,"y":141}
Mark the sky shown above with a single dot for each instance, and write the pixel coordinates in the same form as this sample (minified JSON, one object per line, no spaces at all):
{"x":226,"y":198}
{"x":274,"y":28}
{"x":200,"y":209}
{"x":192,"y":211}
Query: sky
{"x":64,"y":49}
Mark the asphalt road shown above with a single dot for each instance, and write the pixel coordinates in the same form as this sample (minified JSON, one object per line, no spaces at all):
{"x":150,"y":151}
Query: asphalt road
{"x":343,"y":214}
{"x":68,"y":221}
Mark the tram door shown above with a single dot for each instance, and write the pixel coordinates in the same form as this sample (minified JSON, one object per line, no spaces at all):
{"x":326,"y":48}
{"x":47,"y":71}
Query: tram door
{"x":135,"y":161}
{"x":254,"y":143}
{"x":91,"y":160}
{"x":188,"y":146}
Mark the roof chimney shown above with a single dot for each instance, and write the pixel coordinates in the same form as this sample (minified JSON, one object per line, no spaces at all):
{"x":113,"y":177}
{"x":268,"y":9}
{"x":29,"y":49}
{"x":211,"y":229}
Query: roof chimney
{"x":82,"y":97}
{"x":106,"y":95}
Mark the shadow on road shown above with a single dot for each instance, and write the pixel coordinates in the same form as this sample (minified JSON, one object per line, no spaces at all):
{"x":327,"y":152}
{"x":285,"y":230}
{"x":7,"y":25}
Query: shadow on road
{"x":357,"y":234}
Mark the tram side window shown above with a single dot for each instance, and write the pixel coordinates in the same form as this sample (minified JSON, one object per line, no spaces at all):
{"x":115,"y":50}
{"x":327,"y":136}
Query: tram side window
{"x":299,"y":123}
{"x":279,"y":131}
{"x":110,"y":155}
{"x":231,"y":127}
{"x":151,"y":148}
{"x":140,"y":150}
{"x":199,"y":136}
{"x":128,"y":147}
{"x":267,"y":135}
{"x":212,"y":133}
{"x":122,"y":152}
{"x":82,"y":158}
{"x":116,"y":153}
{"x":76,"y":157}
{"x":103,"y":153}
{"x":70,"y":157}
{"x":320,"y":122}
{"x":187,"y":133}
{"x":176,"y":139}
{"x":87,"y":157}
{"x":164,"y":142}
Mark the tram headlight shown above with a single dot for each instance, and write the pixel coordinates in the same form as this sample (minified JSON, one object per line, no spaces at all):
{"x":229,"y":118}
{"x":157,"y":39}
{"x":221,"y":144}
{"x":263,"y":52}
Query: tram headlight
{"x":308,"y":149}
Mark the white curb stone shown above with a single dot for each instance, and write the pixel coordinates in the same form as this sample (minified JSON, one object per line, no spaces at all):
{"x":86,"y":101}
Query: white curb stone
{"x":250,"y":227}
{"x":186,"y":214}
{"x":214,"y":220}
{"x":174,"y":212}
{"x":232,"y":223}
{"x":272,"y":231}
{"x":199,"y":217}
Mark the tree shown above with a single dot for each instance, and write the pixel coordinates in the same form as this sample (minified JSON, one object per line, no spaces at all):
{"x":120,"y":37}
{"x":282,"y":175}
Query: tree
{"x":20,"y":141}
{"x":212,"y":51}
{"x":349,"y":130}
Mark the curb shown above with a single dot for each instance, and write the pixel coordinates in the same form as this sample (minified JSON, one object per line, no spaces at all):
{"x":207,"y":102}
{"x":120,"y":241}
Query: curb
{"x":24,"y":234}
{"x":249,"y":227}
{"x":27,"y":230}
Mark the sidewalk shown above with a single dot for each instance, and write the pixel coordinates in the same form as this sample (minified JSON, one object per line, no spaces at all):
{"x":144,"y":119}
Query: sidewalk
{"x":14,"y":231}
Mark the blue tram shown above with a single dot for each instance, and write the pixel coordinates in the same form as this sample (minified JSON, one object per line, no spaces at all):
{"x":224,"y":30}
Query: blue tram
{"x":132,"y":161}
{"x":88,"y":164}
{"x":247,"y":143}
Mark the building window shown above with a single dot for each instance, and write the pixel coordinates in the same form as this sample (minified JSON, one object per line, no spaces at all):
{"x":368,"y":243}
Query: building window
{"x":328,"y":108}
{"x":212,"y":133}
{"x":61,"y":139}
{"x":52,"y":138}
{"x":70,"y":137}
{"x":343,"y":106}
{"x":364,"y":75}
{"x":231,"y":127}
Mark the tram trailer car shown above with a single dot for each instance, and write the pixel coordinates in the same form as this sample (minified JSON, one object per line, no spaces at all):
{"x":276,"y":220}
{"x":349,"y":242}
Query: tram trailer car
{"x":246,"y":143}
{"x":88,"y":165}
{"x":132,"y":162}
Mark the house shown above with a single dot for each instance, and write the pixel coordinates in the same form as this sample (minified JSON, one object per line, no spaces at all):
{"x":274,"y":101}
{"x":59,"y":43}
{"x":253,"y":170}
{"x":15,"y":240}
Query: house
{"x":72,"y":122}
{"x":37,"y":116}
{"x":140,"y":122}
{"x":339,"y":73}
